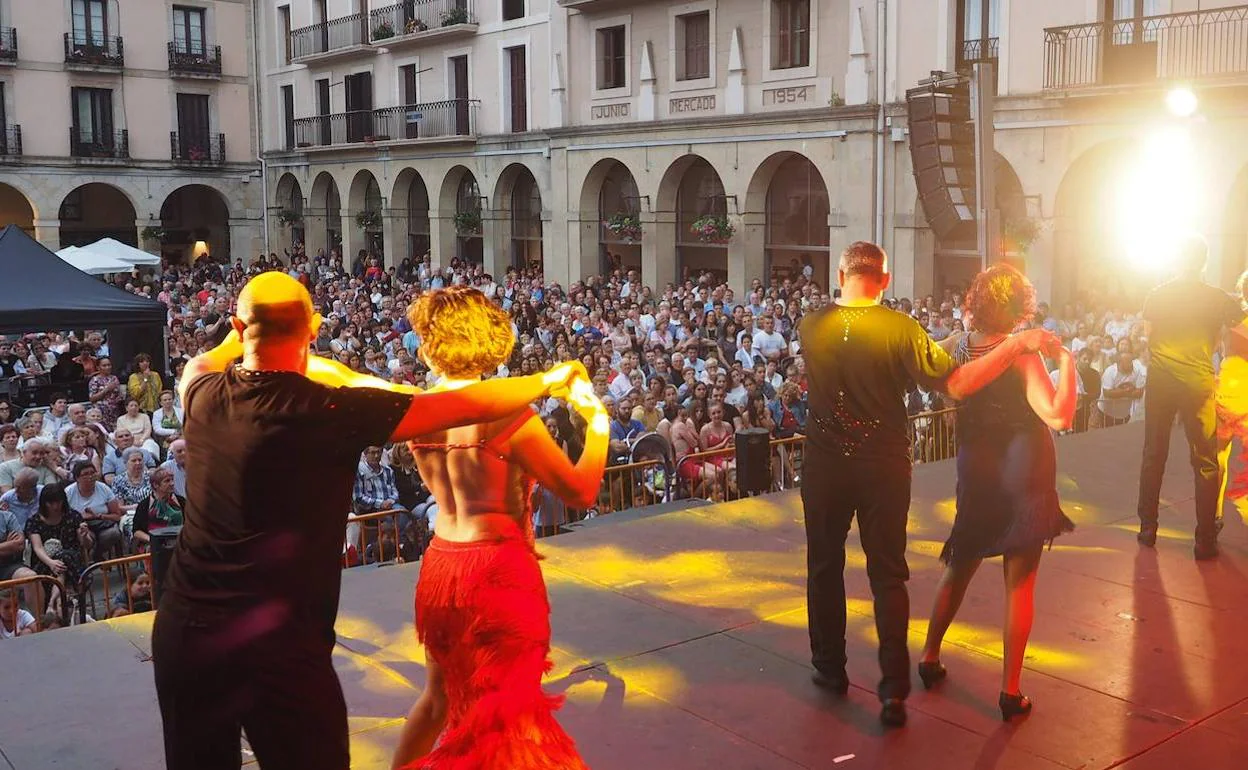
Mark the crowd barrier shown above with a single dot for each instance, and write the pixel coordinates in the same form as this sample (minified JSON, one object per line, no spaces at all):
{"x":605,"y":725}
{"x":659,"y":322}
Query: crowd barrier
{"x":44,"y":587}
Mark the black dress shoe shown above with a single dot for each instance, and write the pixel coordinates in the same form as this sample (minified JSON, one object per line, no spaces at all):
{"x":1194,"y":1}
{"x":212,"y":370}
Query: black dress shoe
{"x":1206,"y":550}
{"x":893,"y":712}
{"x":1147,"y":536}
{"x":1014,"y":706}
{"x":836,"y":684}
{"x":932,"y":673}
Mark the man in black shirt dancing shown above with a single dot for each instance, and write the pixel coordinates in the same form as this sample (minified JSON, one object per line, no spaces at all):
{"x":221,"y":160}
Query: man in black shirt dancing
{"x":245,"y":631}
{"x":861,"y":360}
{"x":1187,"y":317}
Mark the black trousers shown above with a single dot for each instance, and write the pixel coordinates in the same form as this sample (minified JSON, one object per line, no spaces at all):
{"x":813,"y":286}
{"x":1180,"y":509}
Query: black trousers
{"x":1164,"y":399}
{"x":879,"y":494}
{"x":219,"y":672}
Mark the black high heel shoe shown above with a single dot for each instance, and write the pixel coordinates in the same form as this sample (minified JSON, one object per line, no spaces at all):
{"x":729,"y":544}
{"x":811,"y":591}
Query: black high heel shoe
{"x":932,"y":673}
{"x":1013,"y":706}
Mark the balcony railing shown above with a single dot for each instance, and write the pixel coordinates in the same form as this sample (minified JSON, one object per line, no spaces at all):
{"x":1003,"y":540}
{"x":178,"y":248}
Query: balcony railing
{"x":90,"y":144}
{"x":410,"y":18}
{"x":454,"y":117}
{"x":197,"y":149}
{"x":185,"y":59}
{"x":8,"y":44}
{"x":11,"y":142}
{"x":329,"y":36}
{"x":977,"y":51}
{"x":1177,"y":46}
{"x":95,"y":51}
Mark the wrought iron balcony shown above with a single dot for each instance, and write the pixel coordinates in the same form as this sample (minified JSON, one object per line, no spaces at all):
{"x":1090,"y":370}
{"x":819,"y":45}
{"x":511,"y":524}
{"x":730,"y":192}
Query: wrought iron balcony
{"x":85,"y":143}
{"x":194,"y":61}
{"x":197,"y":149}
{"x":1177,"y":46}
{"x":454,"y":117}
{"x":8,"y":44}
{"x":11,"y":142}
{"x":979,"y":51}
{"x":411,"y":20}
{"x":338,"y":35}
{"x":94,"y":51}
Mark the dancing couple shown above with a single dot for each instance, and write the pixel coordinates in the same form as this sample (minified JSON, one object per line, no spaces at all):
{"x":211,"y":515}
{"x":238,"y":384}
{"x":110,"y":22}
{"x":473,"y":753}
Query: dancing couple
{"x":861,"y":360}
{"x":245,"y":632}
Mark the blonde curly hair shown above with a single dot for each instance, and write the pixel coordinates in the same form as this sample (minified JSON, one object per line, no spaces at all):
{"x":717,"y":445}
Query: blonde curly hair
{"x":1000,"y":298}
{"x":462,"y":333}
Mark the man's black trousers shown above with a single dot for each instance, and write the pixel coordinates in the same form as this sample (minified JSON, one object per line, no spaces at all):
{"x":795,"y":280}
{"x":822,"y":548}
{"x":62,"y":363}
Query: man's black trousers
{"x":222,"y":671}
{"x":834,"y":490}
{"x":1164,"y":398}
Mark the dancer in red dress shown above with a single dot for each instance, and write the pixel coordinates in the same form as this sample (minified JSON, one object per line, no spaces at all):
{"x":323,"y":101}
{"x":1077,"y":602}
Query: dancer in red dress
{"x":481,"y":606}
{"x":1232,"y":405}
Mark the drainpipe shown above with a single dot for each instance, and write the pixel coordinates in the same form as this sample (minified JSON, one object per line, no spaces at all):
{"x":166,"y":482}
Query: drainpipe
{"x":259,"y":105}
{"x":881,"y":98}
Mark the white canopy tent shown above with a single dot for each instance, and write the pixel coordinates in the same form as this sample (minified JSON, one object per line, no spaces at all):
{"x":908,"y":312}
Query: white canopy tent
{"x":92,"y":263}
{"x":120,"y":252}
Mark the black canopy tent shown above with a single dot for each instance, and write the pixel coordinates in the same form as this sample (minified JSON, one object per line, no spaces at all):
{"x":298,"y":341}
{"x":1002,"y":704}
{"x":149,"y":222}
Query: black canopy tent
{"x":41,"y":292}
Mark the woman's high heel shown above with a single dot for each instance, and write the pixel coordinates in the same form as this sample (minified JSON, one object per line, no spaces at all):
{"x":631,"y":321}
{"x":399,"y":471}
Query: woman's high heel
{"x":932,"y":673}
{"x":1014,"y":706}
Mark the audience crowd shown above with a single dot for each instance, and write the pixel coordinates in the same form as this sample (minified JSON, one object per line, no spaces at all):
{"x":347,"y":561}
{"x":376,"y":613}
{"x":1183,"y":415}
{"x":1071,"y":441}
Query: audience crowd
{"x":691,"y":363}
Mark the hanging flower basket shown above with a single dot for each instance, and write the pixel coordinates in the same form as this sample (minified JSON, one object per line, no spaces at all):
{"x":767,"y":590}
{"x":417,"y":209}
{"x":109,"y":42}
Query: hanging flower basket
{"x":368,"y":220}
{"x":712,"y":229}
{"x":153,"y":233}
{"x":468,"y":222}
{"x":1017,"y":235}
{"x":288,"y":217}
{"x":626,"y":227}
{"x":383,"y":31}
{"x":456,"y":15}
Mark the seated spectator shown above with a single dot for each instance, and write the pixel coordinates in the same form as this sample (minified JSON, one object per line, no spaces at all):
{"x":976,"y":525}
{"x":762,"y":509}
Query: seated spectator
{"x":132,"y":485}
{"x":1122,"y":390}
{"x":140,"y":427}
{"x":98,"y":506}
{"x":176,"y":464}
{"x":14,"y":621}
{"x":788,"y":411}
{"x":135,"y":598}
{"x":167,"y":420}
{"x":77,"y":418}
{"x":114,"y":458}
{"x":756,"y":414}
{"x":77,"y":446}
{"x":375,"y":491}
{"x":58,"y":538}
{"x":647,"y":412}
{"x":23,"y":499}
{"x":39,"y":457}
{"x":413,"y":494}
{"x":56,"y":417}
{"x":161,"y":508}
{"x":9,"y":436}
{"x":13,"y":554}
{"x":29,"y":426}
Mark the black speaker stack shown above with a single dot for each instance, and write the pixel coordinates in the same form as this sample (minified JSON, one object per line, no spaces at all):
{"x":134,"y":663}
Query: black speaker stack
{"x":942,"y":150}
{"x":754,"y":461}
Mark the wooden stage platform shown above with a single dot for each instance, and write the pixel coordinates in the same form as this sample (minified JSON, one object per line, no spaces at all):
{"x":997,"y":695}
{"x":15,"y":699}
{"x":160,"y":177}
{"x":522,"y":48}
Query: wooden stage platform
{"x":681,"y":644}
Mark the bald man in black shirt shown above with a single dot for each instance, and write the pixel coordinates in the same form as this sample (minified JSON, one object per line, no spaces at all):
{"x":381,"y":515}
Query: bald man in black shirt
{"x":1187,"y":318}
{"x":245,"y":631}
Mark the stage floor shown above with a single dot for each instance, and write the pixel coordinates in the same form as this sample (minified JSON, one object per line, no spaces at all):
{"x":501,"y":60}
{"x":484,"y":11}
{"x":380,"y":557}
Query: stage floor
{"x":680,"y":642}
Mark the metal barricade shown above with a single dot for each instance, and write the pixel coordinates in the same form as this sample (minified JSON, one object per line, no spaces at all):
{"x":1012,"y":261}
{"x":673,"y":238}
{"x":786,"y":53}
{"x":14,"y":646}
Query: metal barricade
{"x":374,"y":542}
{"x":630,"y":485}
{"x":933,"y":435}
{"x":99,"y":603}
{"x":45,"y":587}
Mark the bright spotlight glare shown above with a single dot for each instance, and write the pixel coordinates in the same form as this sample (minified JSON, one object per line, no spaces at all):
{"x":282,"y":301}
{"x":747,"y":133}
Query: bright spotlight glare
{"x":1158,"y":201}
{"x":1181,"y":102}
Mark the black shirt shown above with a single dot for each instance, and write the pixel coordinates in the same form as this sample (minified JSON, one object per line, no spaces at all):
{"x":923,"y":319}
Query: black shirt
{"x":1187,"y":317}
{"x":272,"y":460}
{"x":860,"y":364}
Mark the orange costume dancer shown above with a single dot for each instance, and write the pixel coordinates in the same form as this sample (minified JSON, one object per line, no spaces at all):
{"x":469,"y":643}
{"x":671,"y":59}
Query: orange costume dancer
{"x":1232,"y":409}
{"x":481,"y":606}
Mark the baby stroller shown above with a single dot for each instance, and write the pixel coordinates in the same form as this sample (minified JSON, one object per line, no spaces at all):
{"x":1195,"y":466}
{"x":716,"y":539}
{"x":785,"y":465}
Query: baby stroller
{"x":657,"y":482}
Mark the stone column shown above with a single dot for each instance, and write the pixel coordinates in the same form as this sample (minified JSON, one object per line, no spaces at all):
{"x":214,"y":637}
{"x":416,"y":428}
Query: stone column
{"x":353,"y":238}
{"x":584,"y":236}
{"x":495,"y":238}
{"x":442,"y":237}
{"x":394,"y":235}
{"x":314,"y":234}
{"x":746,"y":253}
{"x":246,"y":240}
{"x":658,"y":249}
{"x":48,"y":232}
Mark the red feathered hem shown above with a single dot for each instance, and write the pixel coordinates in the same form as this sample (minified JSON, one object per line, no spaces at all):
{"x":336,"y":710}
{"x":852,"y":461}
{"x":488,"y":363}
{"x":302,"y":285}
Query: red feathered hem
{"x":483,"y":616}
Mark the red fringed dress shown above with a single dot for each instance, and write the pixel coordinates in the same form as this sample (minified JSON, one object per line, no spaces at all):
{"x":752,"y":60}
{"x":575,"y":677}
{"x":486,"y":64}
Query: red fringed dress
{"x":1232,"y":403}
{"x":482,"y":613}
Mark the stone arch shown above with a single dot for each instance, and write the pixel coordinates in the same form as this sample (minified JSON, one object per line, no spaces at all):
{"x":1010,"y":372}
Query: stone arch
{"x":365,"y":202}
{"x":461,"y":194}
{"x":790,"y":193}
{"x":449,"y":190}
{"x":692,"y":188}
{"x":409,"y":201}
{"x":1087,"y":245}
{"x":364,"y":187}
{"x":16,"y":208}
{"x":518,"y":202}
{"x":610,"y":189}
{"x":196,"y":221}
{"x":324,"y":217}
{"x":288,"y":193}
{"x":97,"y":210}
{"x":669,"y":184}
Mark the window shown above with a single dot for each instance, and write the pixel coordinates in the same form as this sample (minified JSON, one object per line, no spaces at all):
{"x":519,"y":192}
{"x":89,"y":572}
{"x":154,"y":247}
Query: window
{"x":288,"y":115}
{"x":90,"y":19}
{"x":513,"y":9}
{"x":693,"y":46}
{"x":459,"y":87}
{"x":612,"y":58}
{"x":322,"y":110}
{"x":194,"y":142}
{"x":188,"y":31}
{"x":409,"y":97}
{"x":283,"y":16}
{"x":519,"y":90}
{"x":358,"y":93}
{"x":790,"y":24}
{"x":93,"y":116}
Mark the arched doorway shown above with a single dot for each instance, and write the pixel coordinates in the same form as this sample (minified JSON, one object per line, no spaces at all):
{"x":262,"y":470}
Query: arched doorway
{"x":15,"y":209}
{"x":1235,"y":232}
{"x":956,"y":262}
{"x":196,"y":221}
{"x":365,"y":208}
{"x":1089,"y":257}
{"x":619,"y":217}
{"x":94,"y":211}
{"x":290,"y":208}
{"x":469,"y":245}
{"x":700,"y":199}
{"x":525,"y":205}
{"x":797,"y":235}
{"x":327,"y":208}
{"x":411,"y":197}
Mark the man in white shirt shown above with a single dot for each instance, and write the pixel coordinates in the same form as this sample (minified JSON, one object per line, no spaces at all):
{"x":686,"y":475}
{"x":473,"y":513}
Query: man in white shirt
{"x":177,"y":464}
{"x":769,"y":343}
{"x":1122,"y":390}
{"x":620,"y":386}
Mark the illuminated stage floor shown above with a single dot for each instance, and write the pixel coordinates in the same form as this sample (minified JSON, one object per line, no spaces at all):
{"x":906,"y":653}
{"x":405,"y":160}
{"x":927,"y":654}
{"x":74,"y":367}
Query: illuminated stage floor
{"x":681,"y":644}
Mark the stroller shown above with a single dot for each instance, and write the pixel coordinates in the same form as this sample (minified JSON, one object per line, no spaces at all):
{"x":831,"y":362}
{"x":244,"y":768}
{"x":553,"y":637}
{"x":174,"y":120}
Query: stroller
{"x":657,"y":482}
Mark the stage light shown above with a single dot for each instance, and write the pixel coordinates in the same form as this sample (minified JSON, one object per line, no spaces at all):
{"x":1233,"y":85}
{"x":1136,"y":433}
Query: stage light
{"x":1159,"y":199}
{"x":200,"y":249}
{"x":1182,"y":102}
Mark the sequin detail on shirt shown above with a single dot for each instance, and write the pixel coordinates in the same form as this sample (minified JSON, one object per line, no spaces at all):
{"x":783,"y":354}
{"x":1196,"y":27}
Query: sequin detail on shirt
{"x":848,"y":317}
{"x":849,"y":429}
